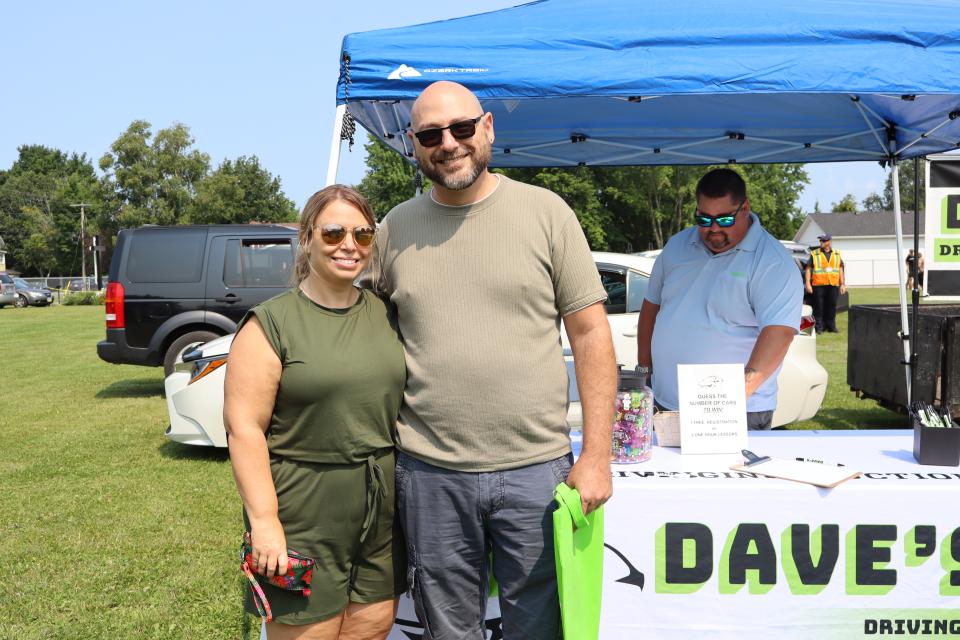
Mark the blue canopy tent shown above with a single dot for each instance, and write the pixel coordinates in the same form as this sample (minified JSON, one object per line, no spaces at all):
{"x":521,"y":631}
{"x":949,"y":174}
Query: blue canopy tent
{"x":612,"y":82}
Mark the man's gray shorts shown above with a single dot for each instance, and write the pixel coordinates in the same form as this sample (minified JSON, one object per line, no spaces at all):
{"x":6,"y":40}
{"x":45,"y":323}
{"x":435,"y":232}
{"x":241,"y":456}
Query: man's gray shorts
{"x":453,"y":520}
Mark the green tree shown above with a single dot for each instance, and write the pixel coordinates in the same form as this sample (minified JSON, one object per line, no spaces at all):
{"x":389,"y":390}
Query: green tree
{"x":907,"y":200}
{"x":648,"y":204}
{"x":389,"y":178}
{"x":240,"y":191}
{"x":152,"y":178}
{"x":847,"y":204}
{"x":873,"y":202}
{"x":37,"y":219}
{"x":37,"y":250}
{"x":774,"y":190}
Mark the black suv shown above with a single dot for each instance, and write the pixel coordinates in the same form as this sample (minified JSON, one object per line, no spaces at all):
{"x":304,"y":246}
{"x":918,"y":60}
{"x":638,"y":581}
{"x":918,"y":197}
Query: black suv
{"x":172,"y":288}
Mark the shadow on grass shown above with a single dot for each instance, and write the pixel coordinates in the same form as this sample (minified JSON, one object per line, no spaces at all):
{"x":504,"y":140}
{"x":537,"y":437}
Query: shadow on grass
{"x":132,"y":389}
{"x":177,"y":451}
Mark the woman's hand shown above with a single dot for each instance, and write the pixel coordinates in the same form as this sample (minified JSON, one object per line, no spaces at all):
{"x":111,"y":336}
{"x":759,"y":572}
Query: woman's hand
{"x":269,"y":548}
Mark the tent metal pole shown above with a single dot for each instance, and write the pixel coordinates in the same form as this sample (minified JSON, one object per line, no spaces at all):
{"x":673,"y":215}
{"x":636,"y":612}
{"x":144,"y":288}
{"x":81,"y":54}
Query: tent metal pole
{"x":904,"y":323}
{"x":916,"y":270}
{"x":334,"y":162}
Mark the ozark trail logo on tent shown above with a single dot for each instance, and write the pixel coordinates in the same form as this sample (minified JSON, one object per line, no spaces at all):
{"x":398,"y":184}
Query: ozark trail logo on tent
{"x":403,"y":71}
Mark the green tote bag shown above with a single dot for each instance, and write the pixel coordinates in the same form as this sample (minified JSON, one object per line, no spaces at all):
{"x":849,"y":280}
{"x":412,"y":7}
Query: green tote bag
{"x":578,"y":550}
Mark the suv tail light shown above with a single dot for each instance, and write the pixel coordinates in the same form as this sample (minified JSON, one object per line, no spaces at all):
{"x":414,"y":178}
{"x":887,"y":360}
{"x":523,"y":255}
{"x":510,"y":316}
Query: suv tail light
{"x":113,"y":301}
{"x":806,"y":322}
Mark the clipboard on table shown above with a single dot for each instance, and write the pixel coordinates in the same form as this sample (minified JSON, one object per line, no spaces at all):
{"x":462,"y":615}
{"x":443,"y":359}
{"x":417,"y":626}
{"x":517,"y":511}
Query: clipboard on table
{"x":819,"y":474}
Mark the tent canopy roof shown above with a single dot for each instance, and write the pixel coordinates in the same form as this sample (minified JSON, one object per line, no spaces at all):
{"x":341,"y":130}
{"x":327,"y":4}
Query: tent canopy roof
{"x":612,"y":82}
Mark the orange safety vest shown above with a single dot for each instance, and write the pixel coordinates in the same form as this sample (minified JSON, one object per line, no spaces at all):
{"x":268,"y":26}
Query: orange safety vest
{"x":825,"y":272}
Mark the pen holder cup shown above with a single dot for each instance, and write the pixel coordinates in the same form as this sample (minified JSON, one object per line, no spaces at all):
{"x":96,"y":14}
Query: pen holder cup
{"x":666,"y":424}
{"x":937,"y":446}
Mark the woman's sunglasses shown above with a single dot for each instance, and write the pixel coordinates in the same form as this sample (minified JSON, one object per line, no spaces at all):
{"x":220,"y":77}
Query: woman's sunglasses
{"x":723,"y":221}
{"x":334,"y":234}
{"x":459,"y":130}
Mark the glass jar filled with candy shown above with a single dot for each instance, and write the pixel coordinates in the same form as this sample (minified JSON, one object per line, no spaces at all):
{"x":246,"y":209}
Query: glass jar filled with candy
{"x":633,"y":420}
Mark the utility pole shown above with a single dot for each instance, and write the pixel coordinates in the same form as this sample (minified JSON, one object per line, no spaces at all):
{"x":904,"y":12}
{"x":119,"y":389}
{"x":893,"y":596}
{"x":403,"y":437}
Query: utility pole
{"x":83,"y":244}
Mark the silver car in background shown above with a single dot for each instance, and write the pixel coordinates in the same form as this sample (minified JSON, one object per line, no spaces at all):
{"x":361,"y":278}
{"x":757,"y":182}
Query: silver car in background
{"x":31,"y":296}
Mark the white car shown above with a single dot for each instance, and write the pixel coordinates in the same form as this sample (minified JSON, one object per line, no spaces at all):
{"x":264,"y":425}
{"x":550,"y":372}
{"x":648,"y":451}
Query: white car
{"x":195,"y":395}
{"x":195,"y":389}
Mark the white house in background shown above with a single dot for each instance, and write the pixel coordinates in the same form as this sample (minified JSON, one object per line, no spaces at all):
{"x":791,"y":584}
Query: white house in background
{"x":3,"y":255}
{"x":867,"y":242}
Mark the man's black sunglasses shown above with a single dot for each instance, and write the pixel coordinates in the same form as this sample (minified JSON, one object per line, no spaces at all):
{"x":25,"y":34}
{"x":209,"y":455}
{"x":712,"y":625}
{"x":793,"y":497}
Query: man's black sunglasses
{"x":723,"y":221}
{"x":459,"y":130}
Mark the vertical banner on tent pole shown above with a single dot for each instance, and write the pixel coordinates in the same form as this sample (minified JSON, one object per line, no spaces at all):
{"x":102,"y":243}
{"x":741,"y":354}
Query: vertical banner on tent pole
{"x":941,"y":237}
{"x":898,"y":225}
{"x":334,"y":161}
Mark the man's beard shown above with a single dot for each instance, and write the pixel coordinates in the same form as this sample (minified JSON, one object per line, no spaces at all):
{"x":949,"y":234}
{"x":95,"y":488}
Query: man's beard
{"x":717,"y":242}
{"x":479,"y":159}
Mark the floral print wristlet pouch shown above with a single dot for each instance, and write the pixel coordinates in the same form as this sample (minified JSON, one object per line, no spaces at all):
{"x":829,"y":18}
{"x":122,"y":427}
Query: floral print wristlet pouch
{"x":298,"y":577}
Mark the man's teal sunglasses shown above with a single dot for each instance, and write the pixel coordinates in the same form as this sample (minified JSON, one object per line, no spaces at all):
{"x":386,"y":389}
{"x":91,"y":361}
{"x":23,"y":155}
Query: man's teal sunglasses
{"x":723,"y":221}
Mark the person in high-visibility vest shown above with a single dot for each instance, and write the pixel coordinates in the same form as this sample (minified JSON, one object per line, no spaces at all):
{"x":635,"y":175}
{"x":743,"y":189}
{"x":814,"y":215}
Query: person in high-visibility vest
{"x":824,"y":278}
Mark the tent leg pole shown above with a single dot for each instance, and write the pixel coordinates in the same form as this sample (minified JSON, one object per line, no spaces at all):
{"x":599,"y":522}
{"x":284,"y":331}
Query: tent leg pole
{"x":915,"y":301}
{"x":905,"y":333}
{"x":334,"y":162}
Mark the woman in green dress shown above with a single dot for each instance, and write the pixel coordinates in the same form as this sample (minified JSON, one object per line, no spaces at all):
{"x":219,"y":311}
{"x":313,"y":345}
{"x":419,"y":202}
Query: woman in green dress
{"x":313,"y":386}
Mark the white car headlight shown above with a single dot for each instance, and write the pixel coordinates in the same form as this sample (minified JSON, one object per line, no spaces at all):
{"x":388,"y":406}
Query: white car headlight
{"x":205,"y":366}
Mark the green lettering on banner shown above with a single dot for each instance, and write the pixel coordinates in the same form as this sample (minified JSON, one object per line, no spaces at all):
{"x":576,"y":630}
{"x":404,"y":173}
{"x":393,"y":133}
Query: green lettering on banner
{"x":920,"y":544}
{"x":809,"y":560}
{"x":684,"y":557}
{"x":946,"y":250}
{"x":950,"y":561}
{"x":749,"y":557}
{"x":868,"y":552}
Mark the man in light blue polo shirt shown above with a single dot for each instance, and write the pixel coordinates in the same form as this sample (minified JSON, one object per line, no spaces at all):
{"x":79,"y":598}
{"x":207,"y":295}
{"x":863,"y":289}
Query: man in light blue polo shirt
{"x":723,"y":291}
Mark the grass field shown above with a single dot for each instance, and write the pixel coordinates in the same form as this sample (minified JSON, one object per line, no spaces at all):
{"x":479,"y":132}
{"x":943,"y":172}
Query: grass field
{"x":107,"y":530}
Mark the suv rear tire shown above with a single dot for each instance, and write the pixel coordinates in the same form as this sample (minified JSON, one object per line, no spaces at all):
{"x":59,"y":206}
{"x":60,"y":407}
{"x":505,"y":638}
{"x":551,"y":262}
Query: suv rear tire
{"x":183,"y":344}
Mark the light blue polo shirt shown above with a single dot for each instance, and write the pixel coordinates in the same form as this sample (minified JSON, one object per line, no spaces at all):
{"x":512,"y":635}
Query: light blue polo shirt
{"x":713,"y":306}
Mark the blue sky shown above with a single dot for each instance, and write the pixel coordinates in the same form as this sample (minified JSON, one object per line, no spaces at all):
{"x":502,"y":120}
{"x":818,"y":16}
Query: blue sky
{"x":248,"y":78}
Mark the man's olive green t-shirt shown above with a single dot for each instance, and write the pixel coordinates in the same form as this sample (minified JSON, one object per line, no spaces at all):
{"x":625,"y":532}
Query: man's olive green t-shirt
{"x":479,"y":292}
{"x":342,"y":378}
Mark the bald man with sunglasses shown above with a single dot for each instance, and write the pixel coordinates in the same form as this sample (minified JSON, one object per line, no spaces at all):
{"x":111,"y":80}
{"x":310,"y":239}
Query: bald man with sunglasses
{"x":481,"y":270}
{"x":723,"y":291}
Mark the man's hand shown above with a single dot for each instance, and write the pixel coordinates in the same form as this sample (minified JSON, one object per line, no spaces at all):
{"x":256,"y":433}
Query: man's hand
{"x":590,"y":476}
{"x":843,"y":289}
{"x":808,"y":288}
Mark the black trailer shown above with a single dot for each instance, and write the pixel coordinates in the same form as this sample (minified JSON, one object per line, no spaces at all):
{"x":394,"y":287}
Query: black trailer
{"x":875,"y":366}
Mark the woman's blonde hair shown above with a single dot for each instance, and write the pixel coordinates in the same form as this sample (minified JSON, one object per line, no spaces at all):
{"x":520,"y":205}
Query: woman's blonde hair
{"x":312,"y":210}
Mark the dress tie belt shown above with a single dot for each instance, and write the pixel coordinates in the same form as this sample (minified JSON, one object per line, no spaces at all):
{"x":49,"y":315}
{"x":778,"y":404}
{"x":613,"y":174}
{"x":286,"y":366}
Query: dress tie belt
{"x":376,"y":492}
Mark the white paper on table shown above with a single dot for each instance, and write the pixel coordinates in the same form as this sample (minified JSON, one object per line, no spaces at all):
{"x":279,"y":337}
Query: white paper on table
{"x":713,"y":408}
